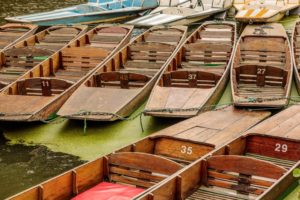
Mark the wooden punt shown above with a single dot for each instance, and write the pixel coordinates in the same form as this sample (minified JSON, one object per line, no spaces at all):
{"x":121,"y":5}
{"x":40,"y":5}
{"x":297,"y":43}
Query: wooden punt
{"x":10,"y":34}
{"x":24,"y":55}
{"x":42,"y":90}
{"x":257,"y":165}
{"x":296,"y":53}
{"x":197,"y":74}
{"x":134,"y":165}
{"x":124,"y":81}
{"x":251,"y":11}
{"x":261,"y":73}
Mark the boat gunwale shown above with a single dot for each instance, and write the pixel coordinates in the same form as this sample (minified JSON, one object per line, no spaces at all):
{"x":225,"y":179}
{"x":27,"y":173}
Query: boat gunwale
{"x":32,"y":29}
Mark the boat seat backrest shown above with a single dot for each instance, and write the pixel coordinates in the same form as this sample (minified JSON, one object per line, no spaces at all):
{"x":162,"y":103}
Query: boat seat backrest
{"x":151,"y":51}
{"x":60,"y":35}
{"x":162,"y":36}
{"x":82,"y":58}
{"x":261,"y":75}
{"x":26,"y":57}
{"x":190,"y":79}
{"x":259,"y":50}
{"x":243,"y":174}
{"x":222,"y":33}
{"x":208,"y":52}
{"x":42,"y":86}
{"x":121,"y":80}
{"x":140,"y":169}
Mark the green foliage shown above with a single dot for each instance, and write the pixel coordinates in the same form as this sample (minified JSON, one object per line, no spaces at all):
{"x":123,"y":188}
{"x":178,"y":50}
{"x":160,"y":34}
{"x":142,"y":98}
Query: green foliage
{"x":296,"y":173}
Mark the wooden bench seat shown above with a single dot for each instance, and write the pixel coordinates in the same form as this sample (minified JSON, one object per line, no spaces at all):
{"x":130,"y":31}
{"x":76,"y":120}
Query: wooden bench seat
{"x":82,"y":57}
{"x":64,"y":31}
{"x":143,"y":64}
{"x":52,"y":39}
{"x":150,"y":51}
{"x":9,"y":78}
{"x":124,"y":80}
{"x":190,"y":79}
{"x":42,"y":86}
{"x":207,"y":53}
{"x":261,"y":75}
{"x":139,"y":169}
{"x":26,"y":56}
{"x":241,"y":178}
{"x":144,"y":71}
{"x":214,"y":68}
{"x":287,"y":164}
{"x":106,"y":39}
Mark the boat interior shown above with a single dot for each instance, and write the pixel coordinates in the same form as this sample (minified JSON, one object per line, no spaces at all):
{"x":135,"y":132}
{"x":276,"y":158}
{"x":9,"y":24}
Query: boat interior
{"x":253,"y":164}
{"x":259,"y":162}
{"x":188,"y":8}
{"x":296,"y":45}
{"x":137,"y":64}
{"x":268,"y":4}
{"x":204,"y":58}
{"x":262,"y":66}
{"x":12,"y":32}
{"x":62,"y":70}
{"x":128,"y":171}
{"x":25,"y":55}
{"x":107,"y":5}
{"x":116,"y":175}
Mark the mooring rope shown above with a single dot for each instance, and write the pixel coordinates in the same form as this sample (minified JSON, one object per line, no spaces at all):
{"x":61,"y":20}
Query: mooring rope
{"x":200,"y":109}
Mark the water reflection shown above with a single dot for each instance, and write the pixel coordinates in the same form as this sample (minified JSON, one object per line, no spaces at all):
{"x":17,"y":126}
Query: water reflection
{"x":30,"y":165}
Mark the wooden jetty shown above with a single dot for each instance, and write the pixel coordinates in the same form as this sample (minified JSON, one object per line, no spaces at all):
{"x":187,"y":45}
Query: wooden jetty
{"x":122,"y":83}
{"x":257,"y":165}
{"x":10,"y":34}
{"x":182,"y":12}
{"x":263,"y":11}
{"x":295,"y":43}
{"x":26,"y":54}
{"x":44,"y":88}
{"x":145,"y":163}
{"x":261,"y":73}
{"x":197,"y":74}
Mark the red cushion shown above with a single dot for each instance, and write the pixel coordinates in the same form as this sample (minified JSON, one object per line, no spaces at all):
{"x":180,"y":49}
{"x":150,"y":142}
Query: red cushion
{"x":109,"y":191}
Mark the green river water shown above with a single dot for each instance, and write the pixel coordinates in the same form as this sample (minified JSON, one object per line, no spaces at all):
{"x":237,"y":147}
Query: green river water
{"x":35,"y":152}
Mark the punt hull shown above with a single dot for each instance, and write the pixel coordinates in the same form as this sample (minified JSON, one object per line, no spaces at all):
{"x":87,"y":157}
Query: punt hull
{"x":210,"y":100}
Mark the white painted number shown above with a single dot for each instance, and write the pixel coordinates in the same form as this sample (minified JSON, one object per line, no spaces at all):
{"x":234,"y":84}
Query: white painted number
{"x":45,"y":83}
{"x":186,"y":150}
{"x":192,"y":76}
{"x":281,"y":147}
{"x":261,"y":71}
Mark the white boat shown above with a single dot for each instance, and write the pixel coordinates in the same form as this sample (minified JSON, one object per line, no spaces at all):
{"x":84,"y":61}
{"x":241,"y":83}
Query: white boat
{"x":182,"y":12}
{"x":95,"y":11}
{"x":263,"y":10}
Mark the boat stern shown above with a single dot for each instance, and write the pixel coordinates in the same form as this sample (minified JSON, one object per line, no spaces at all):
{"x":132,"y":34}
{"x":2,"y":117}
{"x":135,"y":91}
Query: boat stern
{"x":177,"y":102}
{"x":22,"y":108}
{"x":98,"y":104}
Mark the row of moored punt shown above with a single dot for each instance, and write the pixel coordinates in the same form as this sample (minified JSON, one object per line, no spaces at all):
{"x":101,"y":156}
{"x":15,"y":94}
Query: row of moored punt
{"x":217,"y":155}
{"x":101,"y":75}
